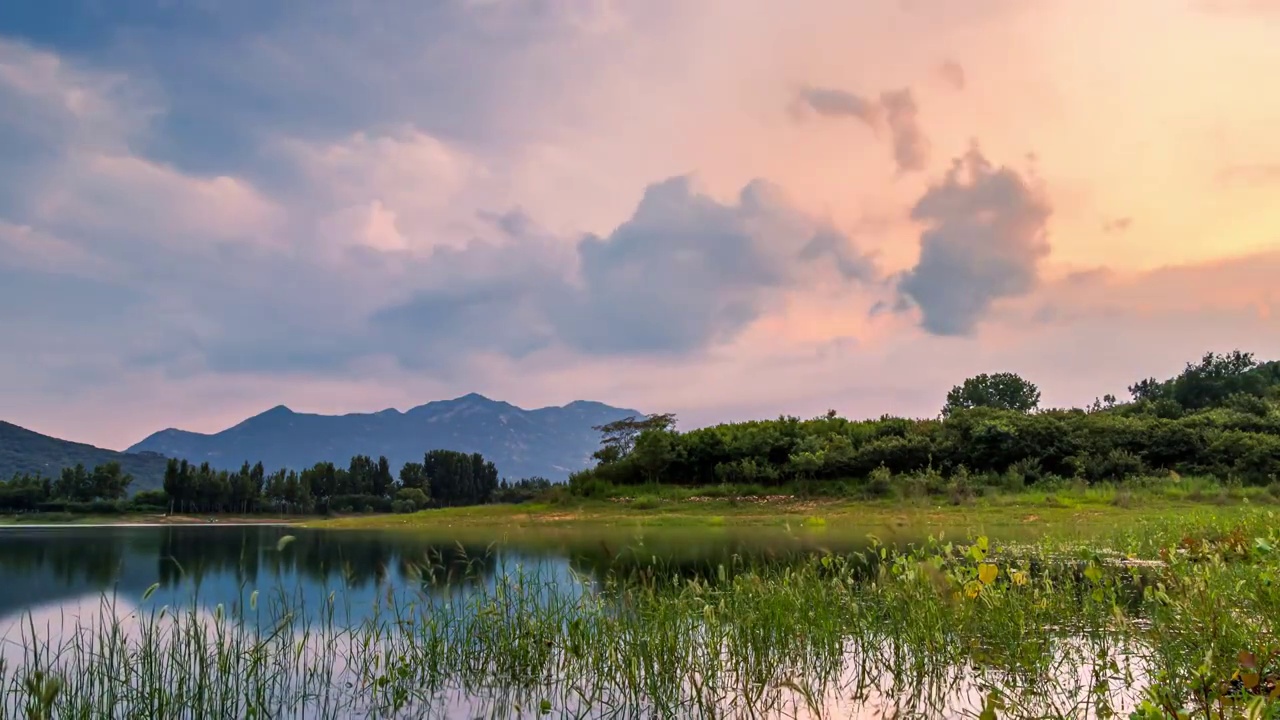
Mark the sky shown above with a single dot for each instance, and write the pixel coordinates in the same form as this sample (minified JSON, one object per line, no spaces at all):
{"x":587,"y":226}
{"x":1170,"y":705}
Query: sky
{"x":726,"y":209}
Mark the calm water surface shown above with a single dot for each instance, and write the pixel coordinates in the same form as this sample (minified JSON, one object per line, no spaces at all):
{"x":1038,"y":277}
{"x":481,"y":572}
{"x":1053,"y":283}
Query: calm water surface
{"x":54,"y":580}
{"x":66,"y":571}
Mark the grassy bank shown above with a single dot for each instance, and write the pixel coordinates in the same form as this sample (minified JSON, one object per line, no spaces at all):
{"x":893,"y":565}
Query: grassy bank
{"x":1176,"y":619}
{"x":1077,"y":509}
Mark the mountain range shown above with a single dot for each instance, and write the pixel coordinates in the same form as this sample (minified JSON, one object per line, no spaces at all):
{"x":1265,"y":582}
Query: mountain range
{"x":550,"y":442}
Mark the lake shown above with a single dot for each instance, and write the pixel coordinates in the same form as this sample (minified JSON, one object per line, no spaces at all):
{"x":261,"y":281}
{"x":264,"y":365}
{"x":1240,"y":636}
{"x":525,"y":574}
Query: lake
{"x":292,"y":622}
{"x":50,"y":569}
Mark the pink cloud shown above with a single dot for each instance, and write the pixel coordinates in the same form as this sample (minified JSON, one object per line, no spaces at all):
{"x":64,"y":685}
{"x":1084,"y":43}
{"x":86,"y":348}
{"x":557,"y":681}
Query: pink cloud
{"x":256,"y":283}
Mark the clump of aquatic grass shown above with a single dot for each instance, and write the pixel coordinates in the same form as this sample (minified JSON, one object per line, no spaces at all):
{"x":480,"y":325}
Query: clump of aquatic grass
{"x":1179,"y":618}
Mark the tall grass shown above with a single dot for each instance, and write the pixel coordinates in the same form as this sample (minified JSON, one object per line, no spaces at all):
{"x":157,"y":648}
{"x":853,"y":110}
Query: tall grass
{"x":938,"y":629}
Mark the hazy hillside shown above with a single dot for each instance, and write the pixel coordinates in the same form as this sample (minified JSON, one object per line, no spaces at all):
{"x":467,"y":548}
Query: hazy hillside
{"x":24,"y":451}
{"x":550,"y":442}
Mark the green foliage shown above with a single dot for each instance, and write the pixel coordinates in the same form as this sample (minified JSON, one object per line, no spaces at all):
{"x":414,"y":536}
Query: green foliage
{"x":106,"y":483}
{"x":153,"y":499}
{"x":585,"y":483}
{"x":413,"y":497}
{"x":443,"y":478}
{"x":880,"y":482}
{"x":645,"y":502}
{"x":1002,"y":391}
{"x":458,"y":478}
{"x":522,"y":490}
{"x":1212,"y":382}
{"x":1215,"y":420}
{"x":620,"y":437}
{"x":46,"y":473}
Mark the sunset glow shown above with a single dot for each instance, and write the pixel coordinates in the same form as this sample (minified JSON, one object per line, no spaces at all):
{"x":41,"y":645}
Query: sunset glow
{"x":721,"y":208}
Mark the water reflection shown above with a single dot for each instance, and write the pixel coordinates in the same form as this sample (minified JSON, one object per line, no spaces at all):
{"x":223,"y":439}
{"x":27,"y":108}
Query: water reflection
{"x":221,"y":565}
{"x":57,"y":576}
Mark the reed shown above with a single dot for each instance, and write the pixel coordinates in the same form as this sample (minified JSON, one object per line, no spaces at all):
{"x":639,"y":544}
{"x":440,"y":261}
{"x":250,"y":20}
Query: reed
{"x":1180,"y":618}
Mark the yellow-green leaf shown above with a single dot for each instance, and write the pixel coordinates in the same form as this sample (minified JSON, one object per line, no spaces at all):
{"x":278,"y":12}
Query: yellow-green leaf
{"x":987,"y":573}
{"x":1250,"y":680}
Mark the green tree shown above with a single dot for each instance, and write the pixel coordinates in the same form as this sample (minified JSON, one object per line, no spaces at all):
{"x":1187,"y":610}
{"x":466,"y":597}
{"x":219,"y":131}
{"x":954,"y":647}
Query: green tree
{"x":1003,"y":391}
{"x":109,"y":482}
{"x":654,"y":451}
{"x":618,"y":438}
{"x":1216,"y":378}
{"x":414,"y":475}
{"x":382,"y":478}
{"x":412,"y":496}
{"x":458,"y":478}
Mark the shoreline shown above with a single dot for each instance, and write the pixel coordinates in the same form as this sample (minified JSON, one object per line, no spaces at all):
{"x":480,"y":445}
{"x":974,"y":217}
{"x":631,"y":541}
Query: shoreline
{"x":73,"y":524}
{"x":1046,"y":511}
{"x":146,"y":521}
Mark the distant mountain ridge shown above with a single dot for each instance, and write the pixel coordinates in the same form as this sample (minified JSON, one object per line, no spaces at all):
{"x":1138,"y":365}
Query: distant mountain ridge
{"x":550,"y":442}
{"x":27,"y":452}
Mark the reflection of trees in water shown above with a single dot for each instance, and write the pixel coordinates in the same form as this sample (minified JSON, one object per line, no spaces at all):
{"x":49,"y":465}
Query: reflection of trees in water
{"x":69,"y":560}
{"x":365,"y":560}
{"x":51,"y":566}
{"x":40,"y":566}
{"x":194,"y":554}
{"x":249,"y":556}
{"x":350,"y":560}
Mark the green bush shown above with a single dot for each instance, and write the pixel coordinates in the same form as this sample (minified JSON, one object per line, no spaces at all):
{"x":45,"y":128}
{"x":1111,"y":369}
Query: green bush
{"x":880,"y":482}
{"x":1214,"y":419}
{"x":645,"y":502}
{"x":412,"y":497}
{"x":150,"y":500}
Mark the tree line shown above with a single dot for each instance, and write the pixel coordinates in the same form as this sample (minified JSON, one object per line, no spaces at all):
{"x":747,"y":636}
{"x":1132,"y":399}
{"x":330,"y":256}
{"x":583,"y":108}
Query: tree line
{"x":443,"y":478}
{"x":1219,"y":417}
{"x":75,"y":486}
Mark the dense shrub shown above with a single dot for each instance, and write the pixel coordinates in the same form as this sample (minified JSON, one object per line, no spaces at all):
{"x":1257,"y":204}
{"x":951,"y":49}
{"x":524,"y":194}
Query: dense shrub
{"x":413,"y":497}
{"x":1216,"y":419}
{"x":150,"y":500}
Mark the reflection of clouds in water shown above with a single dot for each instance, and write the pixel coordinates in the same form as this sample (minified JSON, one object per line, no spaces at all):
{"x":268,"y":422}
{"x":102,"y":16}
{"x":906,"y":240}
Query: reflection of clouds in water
{"x":860,"y":688}
{"x":53,"y":623}
{"x":225,"y":565}
{"x":79,"y":620}
{"x":363,"y":573}
{"x":323,"y":621}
